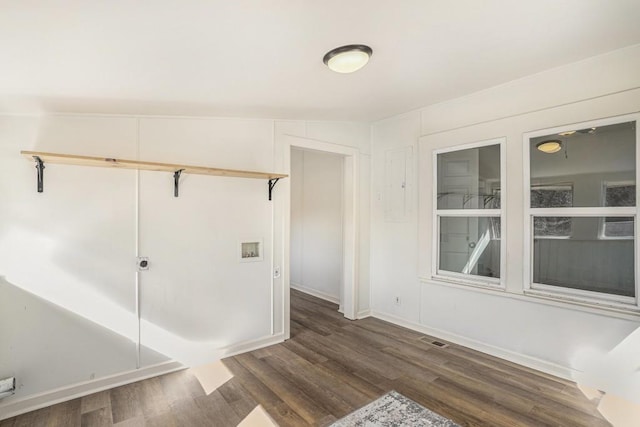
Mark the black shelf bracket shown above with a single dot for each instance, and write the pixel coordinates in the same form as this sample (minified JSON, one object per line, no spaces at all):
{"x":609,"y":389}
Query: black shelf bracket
{"x":40,"y":169}
{"x":272,"y":183}
{"x":176,"y":182}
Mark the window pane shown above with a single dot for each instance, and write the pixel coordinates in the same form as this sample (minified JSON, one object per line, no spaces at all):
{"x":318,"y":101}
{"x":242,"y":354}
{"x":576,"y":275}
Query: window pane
{"x":584,"y":261}
{"x":618,"y":194}
{"x":585,"y":161}
{"x":469,"y":179}
{"x":552,"y":196}
{"x":552,"y":227}
{"x":470,"y":245}
{"x":617,"y":227}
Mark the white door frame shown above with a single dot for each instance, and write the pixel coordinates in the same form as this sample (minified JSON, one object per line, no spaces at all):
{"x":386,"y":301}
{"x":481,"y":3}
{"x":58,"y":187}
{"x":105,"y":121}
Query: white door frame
{"x":348,"y":300}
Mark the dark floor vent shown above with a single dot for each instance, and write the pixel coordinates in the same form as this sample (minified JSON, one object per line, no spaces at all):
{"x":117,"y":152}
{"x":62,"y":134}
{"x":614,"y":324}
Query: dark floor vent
{"x":434,"y":342}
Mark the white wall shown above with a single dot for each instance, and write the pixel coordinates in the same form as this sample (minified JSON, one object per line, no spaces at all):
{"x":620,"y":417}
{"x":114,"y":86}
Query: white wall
{"x":316,"y":223}
{"x":593,"y":346}
{"x":68,"y":255}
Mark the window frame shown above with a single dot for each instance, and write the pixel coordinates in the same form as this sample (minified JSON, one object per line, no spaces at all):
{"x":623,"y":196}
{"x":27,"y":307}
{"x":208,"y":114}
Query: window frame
{"x":461,"y":278}
{"x":567,"y":294}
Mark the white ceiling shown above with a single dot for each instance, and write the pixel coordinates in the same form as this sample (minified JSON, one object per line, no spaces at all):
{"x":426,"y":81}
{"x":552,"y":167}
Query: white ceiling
{"x":263,"y":58}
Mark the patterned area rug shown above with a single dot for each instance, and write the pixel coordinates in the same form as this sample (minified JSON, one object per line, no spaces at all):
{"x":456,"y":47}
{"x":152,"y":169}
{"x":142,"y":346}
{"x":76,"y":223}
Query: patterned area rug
{"x":393,"y":410}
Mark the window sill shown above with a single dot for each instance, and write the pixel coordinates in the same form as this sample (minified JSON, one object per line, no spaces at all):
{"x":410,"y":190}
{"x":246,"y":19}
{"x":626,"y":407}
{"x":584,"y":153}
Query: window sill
{"x":620,"y":311}
{"x":465,"y":282}
{"x":597,"y":304}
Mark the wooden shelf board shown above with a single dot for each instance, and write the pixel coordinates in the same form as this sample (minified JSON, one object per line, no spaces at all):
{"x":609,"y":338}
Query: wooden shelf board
{"x":107,"y":162}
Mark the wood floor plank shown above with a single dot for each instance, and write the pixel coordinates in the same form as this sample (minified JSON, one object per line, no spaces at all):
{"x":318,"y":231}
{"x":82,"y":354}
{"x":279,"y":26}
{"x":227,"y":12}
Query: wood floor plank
{"x":180,"y":385}
{"x":95,"y":401}
{"x":36,"y":418}
{"x":256,"y":388}
{"x":304,"y":352}
{"x":165,"y":419}
{"x":285,"y":416}
{"x":188,"y":413}
{"x":216,"y":409}
{"x":238,"y":398}
{"x":100,"y":417}
{"x":290,"y":394}
{"x":66,"y":414}
{"x":152,"y":397}
{"x":125,"y":403}
{"x":313,"y":387}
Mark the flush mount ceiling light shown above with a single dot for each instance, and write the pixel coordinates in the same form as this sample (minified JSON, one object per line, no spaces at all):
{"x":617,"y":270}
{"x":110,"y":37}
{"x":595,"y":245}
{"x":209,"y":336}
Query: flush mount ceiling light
{"x":550,"y":146}
{"x":347,"y":59}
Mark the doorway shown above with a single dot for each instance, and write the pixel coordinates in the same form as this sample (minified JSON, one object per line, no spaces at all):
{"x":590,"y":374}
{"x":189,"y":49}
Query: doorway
{"x":348,"y":158}
{"x":316,"y":224}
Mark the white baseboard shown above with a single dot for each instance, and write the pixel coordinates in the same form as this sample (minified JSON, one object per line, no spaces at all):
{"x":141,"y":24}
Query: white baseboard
{"x":363,"y":313}
{"x":247,"y":346}
{"x":521,"y":359}
{"x":62,"y":394}
{"x":315,"y":293}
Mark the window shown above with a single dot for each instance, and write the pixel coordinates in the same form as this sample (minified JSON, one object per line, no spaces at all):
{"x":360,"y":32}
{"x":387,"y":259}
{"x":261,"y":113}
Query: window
{"x":468,"y":213}
{"x":581,"y":215}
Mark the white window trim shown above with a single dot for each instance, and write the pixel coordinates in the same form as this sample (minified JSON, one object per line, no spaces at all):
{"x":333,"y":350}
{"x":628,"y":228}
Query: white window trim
{"x":577,"y":296}
{"x":467,"y":279}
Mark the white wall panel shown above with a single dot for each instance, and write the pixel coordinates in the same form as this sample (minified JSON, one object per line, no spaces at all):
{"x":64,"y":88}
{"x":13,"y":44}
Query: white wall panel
{"x":67,"y":297}
{"x":197,"y":297}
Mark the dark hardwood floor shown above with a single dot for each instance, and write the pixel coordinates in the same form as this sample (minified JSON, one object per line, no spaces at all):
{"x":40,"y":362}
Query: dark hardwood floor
{"x":330,"y":367}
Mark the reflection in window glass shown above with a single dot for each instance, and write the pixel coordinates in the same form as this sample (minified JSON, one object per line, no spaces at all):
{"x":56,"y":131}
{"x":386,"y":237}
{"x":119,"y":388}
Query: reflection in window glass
{"x":619,"y":194}
{"x":617,"y":227}
{"x":586,"y":158}
{"x":552,"y":227}
{"x":584,"y":261}
{"x":469,"y":179}
{"x":470,"y":245}
{"x":552,"y":196}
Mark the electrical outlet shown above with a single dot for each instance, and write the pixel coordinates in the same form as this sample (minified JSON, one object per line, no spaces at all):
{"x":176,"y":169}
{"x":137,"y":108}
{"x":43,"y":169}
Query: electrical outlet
{"x":276,"y":272}
{"x":396,"y":300}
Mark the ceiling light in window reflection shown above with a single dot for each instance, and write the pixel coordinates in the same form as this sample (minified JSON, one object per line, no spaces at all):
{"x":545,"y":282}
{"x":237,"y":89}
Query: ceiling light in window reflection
{"x":550,"y":146}
{"x":567,"y":133}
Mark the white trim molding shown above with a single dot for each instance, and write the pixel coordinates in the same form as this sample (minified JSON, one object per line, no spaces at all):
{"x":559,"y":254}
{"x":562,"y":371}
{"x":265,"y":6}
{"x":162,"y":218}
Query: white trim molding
{"x":315,"y":293}
{"x":521,"y":359}
{"x":14,"y":407}
{"x":30,"y":403}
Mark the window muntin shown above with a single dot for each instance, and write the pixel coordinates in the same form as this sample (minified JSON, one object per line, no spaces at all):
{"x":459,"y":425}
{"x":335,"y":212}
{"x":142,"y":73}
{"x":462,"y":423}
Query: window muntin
{"x":581,"y":242}
{"x":468,"y":210}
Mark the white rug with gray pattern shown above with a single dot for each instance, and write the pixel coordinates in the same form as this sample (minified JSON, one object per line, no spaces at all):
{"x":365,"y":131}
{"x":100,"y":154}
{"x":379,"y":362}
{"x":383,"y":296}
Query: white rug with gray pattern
{"x":394,"y":410}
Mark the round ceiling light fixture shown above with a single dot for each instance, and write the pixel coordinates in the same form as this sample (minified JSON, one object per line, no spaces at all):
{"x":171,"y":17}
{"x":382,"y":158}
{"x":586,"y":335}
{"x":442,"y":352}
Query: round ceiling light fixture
{"x":550,"y":146}
{"x":347,"y":59}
